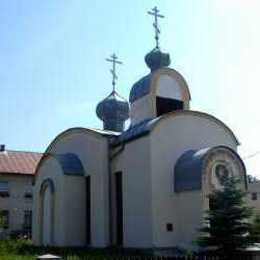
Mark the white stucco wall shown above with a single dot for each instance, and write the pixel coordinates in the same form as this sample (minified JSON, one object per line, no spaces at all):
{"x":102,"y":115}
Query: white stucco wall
{"x":169,"y":140}
{"x":142,"y":109}
{"x":75,"y":207}
{"x":50,"y":170}
{"x":168,"y":87}
{"x":92,"y":150}
{"x":134,"y":162}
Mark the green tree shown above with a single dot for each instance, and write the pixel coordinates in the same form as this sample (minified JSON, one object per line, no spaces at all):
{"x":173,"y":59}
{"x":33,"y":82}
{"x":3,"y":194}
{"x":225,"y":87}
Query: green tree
{"x":255,"y":229}
{"x":227,"y":223}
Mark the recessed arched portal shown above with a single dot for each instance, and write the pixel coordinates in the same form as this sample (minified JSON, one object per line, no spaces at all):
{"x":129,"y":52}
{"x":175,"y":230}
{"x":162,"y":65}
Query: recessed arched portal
{"x":47,"y":200}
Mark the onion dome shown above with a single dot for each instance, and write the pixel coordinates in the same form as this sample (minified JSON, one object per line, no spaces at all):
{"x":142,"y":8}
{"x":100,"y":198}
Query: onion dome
{"x":113,"y":111}
{"x":157,"y":59}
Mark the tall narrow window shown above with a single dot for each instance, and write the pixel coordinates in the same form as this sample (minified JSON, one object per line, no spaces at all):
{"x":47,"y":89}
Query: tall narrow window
{"x":27,"y":223}
{"x":4,"y":218}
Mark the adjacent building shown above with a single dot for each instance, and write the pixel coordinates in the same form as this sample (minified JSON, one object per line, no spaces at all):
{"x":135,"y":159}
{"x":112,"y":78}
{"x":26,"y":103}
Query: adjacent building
{"x":253,"y":197}
{"x":16,"y":195}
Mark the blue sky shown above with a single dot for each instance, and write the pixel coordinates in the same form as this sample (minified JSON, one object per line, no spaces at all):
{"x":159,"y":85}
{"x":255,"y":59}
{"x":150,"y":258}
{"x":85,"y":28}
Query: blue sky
{"x":53,"y":70}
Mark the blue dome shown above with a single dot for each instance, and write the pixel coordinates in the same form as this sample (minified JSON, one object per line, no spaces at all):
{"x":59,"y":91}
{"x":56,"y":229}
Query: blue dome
{"x":113,"y":111}
{"x":155,"y":59}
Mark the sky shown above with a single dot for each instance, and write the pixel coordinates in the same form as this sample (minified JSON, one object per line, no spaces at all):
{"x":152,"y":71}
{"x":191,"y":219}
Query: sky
{"x":53,"y":70}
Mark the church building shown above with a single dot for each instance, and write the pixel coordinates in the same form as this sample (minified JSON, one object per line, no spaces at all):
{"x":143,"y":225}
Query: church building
{"x":141,"y":187}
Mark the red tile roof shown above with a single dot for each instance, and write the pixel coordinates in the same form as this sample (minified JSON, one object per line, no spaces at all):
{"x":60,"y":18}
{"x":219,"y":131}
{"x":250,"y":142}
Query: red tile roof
{"x":17,"y":162}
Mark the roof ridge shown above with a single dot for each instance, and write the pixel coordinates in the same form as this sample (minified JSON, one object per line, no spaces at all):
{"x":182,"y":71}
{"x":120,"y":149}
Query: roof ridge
{"x":21,"y":151}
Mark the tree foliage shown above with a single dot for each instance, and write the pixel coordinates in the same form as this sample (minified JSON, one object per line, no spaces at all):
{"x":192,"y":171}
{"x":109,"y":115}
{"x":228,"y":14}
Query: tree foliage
{"x":255,"y":229}
{"x":227,"y":223}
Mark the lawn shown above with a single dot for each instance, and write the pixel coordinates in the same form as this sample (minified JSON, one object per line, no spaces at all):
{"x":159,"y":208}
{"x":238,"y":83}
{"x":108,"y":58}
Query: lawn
{"x":22,"y":249}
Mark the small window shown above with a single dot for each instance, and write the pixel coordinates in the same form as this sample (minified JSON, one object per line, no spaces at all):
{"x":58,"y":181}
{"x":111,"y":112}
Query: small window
{"x":4,"y":189}
{"x":28,"y":195}
{"x":4,"y":219}
{"x":27,"y":223}
{"x":254,"y":195}
{"x":169,"y":227}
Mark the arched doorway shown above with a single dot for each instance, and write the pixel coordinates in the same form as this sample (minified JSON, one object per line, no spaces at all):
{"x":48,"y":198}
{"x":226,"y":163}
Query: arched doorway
{"x":47,"y":193}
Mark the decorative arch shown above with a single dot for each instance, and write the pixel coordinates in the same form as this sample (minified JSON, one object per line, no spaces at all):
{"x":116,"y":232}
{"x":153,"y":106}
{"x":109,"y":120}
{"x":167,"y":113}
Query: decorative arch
{"x":185,"y":92}
{"x":208,"y":166}
{"x":47,"y":184}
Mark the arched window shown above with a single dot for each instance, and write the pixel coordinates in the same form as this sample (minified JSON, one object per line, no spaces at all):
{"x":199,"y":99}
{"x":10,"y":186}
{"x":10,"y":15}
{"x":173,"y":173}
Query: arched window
{"x":47,"y":196}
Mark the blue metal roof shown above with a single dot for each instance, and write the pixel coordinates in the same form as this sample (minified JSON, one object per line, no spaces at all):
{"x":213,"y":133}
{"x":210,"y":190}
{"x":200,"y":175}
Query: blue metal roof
{"x":140,"y":88}
{"x":70,"y":163}
{"x":136,"y":131}
{"x":188,"y":170}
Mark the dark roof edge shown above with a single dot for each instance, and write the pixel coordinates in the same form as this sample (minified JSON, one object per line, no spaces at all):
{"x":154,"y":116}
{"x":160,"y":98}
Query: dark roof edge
{"x":18,"y":174}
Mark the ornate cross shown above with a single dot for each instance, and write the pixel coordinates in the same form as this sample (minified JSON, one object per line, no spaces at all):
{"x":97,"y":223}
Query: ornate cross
{"x":114,"y":61}
{"x":155,"y":12}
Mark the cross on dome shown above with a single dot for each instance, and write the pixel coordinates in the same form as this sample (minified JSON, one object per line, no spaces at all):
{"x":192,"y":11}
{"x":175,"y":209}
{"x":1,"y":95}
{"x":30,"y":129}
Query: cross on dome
{"x":155,"y":12}
{"x":114,"y":60}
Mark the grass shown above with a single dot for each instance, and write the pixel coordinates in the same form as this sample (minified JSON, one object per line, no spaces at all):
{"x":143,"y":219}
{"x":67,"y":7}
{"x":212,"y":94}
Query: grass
{"x":22,"y":249}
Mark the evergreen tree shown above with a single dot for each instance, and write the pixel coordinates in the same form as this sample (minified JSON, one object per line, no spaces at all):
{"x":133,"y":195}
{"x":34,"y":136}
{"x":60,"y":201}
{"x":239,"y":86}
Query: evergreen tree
{"x":255,"y":229}
{"x":227,"y":220}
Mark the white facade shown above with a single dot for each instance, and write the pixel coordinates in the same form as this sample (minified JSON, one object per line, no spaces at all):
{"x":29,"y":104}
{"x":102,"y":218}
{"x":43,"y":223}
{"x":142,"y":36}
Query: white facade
{"x":131,"y":200}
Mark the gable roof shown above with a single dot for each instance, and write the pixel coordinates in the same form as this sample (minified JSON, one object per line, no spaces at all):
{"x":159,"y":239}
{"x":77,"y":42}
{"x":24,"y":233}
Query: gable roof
{"x":18,"y":162}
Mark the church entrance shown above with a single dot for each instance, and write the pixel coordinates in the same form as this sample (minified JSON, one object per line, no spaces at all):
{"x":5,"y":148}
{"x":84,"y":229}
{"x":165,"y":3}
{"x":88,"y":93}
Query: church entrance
{"x":88,"y":211}
{"x":119,"y":208}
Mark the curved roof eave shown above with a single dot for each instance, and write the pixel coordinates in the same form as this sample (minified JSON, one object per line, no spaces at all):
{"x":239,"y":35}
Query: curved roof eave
{"x":147,"y":126}
{"x":97,"y":132}
{"x":200,"y":114}
{"x":143,"y":86}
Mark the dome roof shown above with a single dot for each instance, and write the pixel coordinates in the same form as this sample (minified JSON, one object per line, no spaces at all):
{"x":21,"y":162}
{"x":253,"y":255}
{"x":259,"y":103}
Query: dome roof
{"x":113,"y":107}
{"x":157,"y":59}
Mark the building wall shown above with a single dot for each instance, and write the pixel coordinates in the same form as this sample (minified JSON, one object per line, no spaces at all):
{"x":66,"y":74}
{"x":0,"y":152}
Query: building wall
{"x":254,"y":187}
{"x":16,"y":203}
{"x":92,"y":150}
{"x":142,"y":109}
{"x":50,"y":170}
{"x":169,"y":140}
{"x":134,"y":163}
